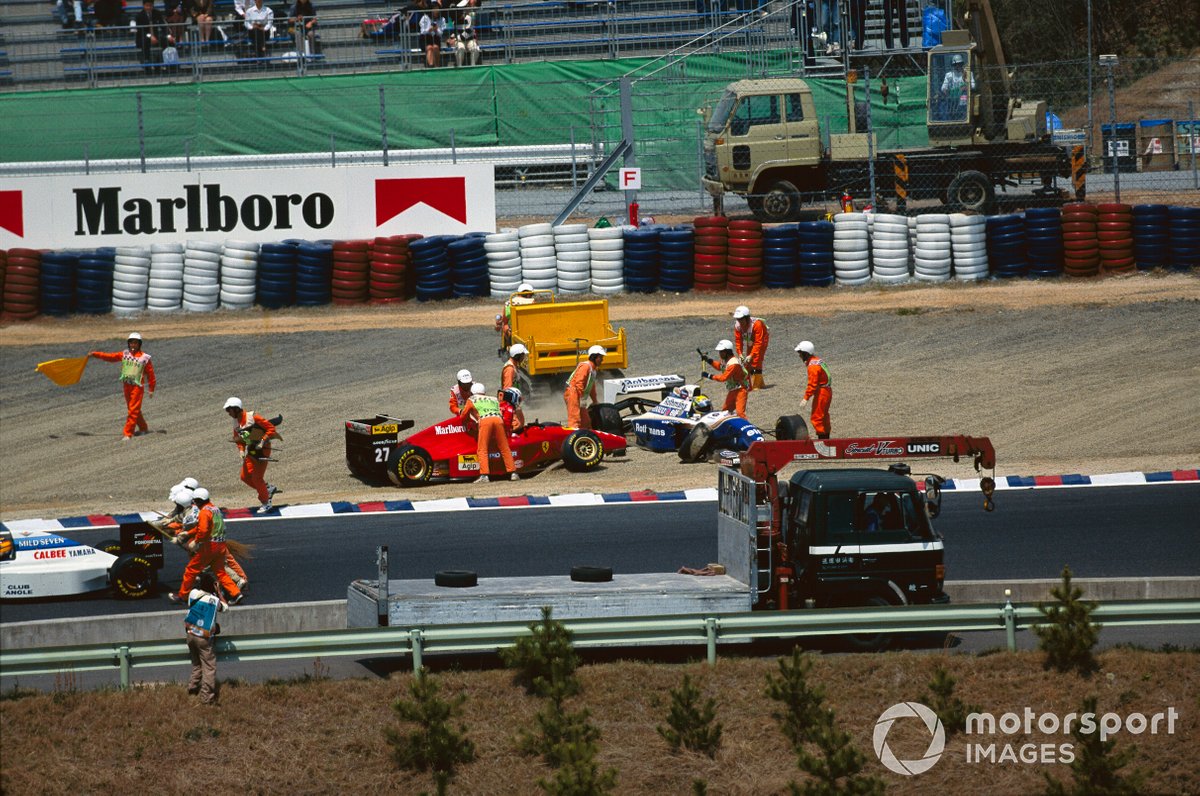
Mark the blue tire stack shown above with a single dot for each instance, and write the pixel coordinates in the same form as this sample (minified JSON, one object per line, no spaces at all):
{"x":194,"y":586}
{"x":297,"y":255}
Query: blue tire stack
{"x":56,"y":282}
{"x":1185,"y":237}
{"x":432,"y":267}
{"x":641,"y":260}
{"x":677,"y":249}
{"x":1151,"y":236}
{"x":1043,"y":241}
{"x":468,"y":267}
{"x":314,"y":270}
{"x":276,"y":275}
{"x":814,"y":253}
{"x":1006,"y":246}
{"x":780,"y":262}
{"x":93,"y":281}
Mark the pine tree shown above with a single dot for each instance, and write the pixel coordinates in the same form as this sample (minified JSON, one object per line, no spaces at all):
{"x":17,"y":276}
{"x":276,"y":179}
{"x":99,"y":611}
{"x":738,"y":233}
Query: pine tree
{"x":836,"y":767}
{"x":1096,"y":766}
{"x":951,"y":710}
{"x":1068,"y":634}
{"x":433,"y":745}
{"x":801,"y":703}
{"x":545,"y":660}
{"x":690,"y":724}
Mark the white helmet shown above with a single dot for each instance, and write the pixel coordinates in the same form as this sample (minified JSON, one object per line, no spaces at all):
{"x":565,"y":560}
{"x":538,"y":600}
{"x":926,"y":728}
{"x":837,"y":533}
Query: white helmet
{"x":233,"y":403}
{"x":478,"y":389}
{"x":807,"y":347}
{"x":200,"y":493}
{"x":134,"y":336}
{"x":190,"y":483}
{"x":464,"y":376}
{"x":741,"y":312}
{"x":958,"y":59}
{"x":524,"y":287}
{"x":517,"y":349}
{"x":724,"y":345}
{"x":183,"y":497}
{"x":597,"y":349}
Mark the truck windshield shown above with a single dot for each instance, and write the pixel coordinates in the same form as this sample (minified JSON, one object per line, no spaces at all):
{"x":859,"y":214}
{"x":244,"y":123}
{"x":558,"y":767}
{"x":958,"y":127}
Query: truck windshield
{"x":950,"y":86}
{"x":720,"y":114}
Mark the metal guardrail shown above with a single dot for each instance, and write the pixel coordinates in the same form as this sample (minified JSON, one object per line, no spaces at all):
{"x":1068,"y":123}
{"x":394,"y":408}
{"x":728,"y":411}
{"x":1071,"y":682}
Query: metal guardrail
{"x":695,"y":629}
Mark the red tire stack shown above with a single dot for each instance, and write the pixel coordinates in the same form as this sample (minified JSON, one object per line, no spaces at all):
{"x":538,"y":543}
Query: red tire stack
{"x":1114,"y":231}
{"x":389,"y":270}
{"x":21,"y":274}
{"x":410,"y":286}
{"x":712,"y":251}
{"x":1081,"y":248}
{"x":745,"y":256}
{"x":351,"y":271}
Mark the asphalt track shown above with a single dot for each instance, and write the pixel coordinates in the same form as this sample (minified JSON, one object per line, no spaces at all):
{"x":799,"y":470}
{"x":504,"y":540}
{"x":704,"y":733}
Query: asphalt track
{"x":1098,"y":531}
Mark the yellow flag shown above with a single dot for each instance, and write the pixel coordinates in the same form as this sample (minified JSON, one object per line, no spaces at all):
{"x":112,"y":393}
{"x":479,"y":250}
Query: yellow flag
{"x":63,"y":372}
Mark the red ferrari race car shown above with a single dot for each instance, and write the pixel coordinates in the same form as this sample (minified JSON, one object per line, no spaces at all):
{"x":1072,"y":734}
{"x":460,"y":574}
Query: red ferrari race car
{"x":446,"y":451}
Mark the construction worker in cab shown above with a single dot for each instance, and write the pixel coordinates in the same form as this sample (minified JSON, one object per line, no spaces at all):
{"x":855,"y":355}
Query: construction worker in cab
{"x":485,"y":410}
{"x":581,"y":383}
{"x":750,"y":338}
{"x":209,"y":539}
{"x":820,"y":388}
{"x":253,"y":434}
{"x":460,"y":393}
{"x":180,"y":524}
{"x":732,"y":373}
{"x":137,"y":373}
{"x":510,"y":410}
{"x":517,"y":355}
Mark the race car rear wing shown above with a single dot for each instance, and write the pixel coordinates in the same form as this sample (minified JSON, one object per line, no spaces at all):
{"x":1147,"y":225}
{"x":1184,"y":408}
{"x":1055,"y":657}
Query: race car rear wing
{"x":613,"y":389}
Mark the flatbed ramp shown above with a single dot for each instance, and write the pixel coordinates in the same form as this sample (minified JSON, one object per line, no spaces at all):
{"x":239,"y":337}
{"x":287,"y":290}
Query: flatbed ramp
{"x":420,"y":602}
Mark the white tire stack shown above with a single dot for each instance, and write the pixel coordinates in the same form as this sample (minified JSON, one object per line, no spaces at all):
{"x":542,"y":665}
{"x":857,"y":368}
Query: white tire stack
{"x":607,"y":251}
{"x":931,"y":255}
{"x":968,"y":245}
{"x":239,"y":274}
{"x":165,"y":291}
{"x":539,"y":265}
{"x":574,"y":255}
{"x":851,"y":249}
{"x":912,"y":240}
{"x":131,"y":280}
{"x":201,"y":276}
{"x":504,"y":262}
{"x":889,"y":249}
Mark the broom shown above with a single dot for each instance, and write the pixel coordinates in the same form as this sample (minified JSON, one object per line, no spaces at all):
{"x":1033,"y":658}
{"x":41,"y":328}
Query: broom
{"x":237,"y":549}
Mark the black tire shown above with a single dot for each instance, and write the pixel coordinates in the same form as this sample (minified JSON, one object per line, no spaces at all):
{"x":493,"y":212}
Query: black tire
{"x":606,"y":417}
{"x":455,"y":578}
{"x":971,"y":191}
{"x":871,"y":642}
{"x":110,"y":546}
{"x":791,"y":427}
{"x":582,"y":451}
{"x":409,"y":465}
{"x":132,"y":577}
{"x":584,"y":574}
{"x":695,"y":445}
{"x":780,"y":203}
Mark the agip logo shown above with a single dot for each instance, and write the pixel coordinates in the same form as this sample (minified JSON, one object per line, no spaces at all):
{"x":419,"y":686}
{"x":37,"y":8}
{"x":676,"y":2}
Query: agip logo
{"x":937,"y":742}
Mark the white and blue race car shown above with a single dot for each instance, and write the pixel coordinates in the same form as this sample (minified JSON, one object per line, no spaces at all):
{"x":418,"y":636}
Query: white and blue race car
{"x":684,"y":421}
{"x":44,"y":564}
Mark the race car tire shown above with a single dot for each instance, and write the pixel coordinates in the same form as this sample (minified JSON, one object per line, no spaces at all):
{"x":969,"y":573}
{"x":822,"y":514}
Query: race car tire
{"x":791,"y":427}
{"x":606,"y":417}
{"x":409,"y":465}
{"x":695,"y":445}
{"x":586,"y":574}
{"x":110,"y":546}
{"x":133,"y":577}
{"x":455,"y":578}
{"x":582,"y":451}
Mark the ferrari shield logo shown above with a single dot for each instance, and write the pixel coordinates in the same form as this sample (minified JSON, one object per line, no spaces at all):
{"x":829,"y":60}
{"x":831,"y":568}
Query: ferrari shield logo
{"x":545,"y":446}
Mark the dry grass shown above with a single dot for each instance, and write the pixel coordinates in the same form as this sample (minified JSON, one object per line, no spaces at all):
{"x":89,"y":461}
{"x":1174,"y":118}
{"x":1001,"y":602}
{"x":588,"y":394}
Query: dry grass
{"x":317,"y":736}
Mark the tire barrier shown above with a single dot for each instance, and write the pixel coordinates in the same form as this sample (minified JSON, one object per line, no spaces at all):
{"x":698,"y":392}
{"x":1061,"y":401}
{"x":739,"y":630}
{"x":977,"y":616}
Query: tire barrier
{"x":351,"y":273}
{"x":781,"y":256}
{"x":573,"y":256}
{"x":94,"y":281}
{"x":131,"y":279}
{"x":276,"y":275}
{"x":468,"y":267}
{"x":677,"y":252}
{"x":56,"y":280}
{"x":504,"y":263}
{"x":314,"y":273}
{"x":1114,"y":234}
{"x":814,"y":253}
{"x":388,"y":263}
{"x":607,"y":247}
{"x":201,"y":276}
{"x":744,"y":259}
{"x":1151,"y":236}
{"x":431,"y":268}
{"x":165,"y":291}
{"x":641,"y":259}
{"x":890,"y":250}
{"x":710,"y":272}
{"x":1081,"y":249}
{"x":1043,"y":241}
{"x":21,"y":275}
{"x":1185,"y":237}
{"x":539,"y":266}
{"x":968,"y":247}
{"x":933,"y":252}
{"x":851,"y":249}
{"x":1006,"y":246}
{"x":239,"y":274}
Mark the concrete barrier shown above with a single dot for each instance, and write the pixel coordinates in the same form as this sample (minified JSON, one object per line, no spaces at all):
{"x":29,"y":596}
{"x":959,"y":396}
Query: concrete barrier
{"x":965,"y":592}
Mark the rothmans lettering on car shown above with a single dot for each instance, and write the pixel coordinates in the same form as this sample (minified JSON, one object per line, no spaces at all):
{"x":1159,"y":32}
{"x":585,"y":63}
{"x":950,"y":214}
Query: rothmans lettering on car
{"x":204,"y":208}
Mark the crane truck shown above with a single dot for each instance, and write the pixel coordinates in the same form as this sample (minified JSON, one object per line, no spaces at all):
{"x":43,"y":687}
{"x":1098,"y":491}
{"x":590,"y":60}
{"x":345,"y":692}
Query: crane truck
{"x":764,"y":141}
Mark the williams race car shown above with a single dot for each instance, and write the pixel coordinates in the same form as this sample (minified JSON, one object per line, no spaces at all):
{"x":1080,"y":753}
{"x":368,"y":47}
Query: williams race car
{"x":41,"y":564}
{"x":446,"y":451}
{"x":684,"y":421}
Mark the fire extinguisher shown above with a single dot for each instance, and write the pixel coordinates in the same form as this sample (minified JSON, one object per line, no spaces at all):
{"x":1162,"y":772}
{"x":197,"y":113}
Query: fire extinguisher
{"x":847,"y":202}
{"x":633,"y":214}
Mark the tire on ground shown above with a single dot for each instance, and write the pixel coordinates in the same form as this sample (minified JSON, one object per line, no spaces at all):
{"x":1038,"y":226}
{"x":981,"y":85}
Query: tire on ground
{"x":582,"y":451}
{"x":695,"y":445}
{"x":455,"y":578}
{"x":606,"y":417}
{"x":586,"y":574}
{"x":791,"y":427}
{"x":409,"y":465}
{"x":132,"y":577}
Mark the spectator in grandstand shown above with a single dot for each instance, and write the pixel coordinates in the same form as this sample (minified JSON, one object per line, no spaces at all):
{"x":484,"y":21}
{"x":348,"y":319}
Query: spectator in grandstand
{"x":858,"y":24}
{"x":150,"y":30}
{"x":260,"y":23}
{"x":108,"y":13}
{"x":64,"y":16}
{"x":431,"y":27}
{"x":304,"y":17}
{"x":463,"y":40}
{"x":177,"y":13}
{"x":895,"y":12}
{"x":202,"y":16}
